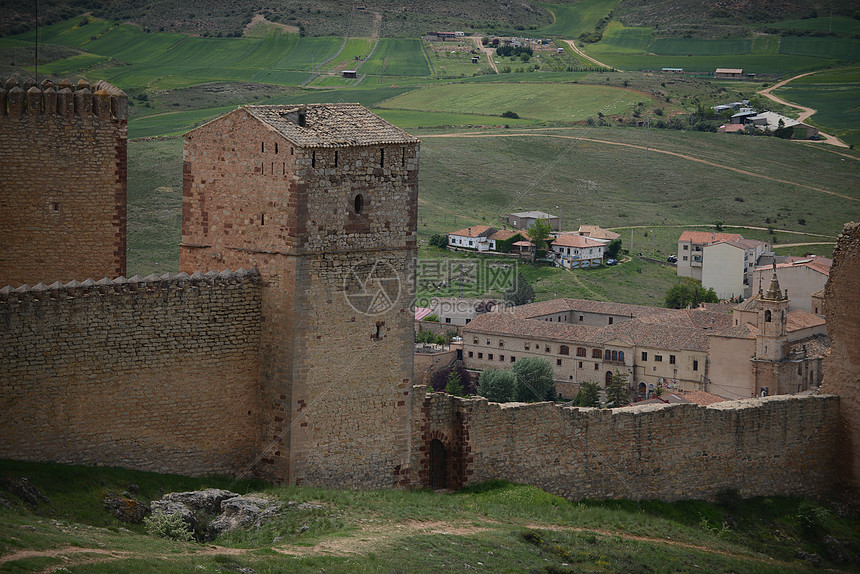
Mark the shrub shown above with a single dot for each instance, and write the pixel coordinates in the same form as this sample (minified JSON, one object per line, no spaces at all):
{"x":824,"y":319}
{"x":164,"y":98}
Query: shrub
{"x":432,"y":318}
{"x":497,"y":385}
{"x":170,"y":526}
{"x":439,"y":240}
{"x":510,"y":114}
{"x":534,"y":379}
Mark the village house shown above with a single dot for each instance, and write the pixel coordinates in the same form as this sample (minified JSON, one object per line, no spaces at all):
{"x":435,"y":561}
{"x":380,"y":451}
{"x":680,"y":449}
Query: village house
{"x":572,"y":250}
{"x":525,"y":219}
{"x":770,"y":121}
{"x":801,"y":277}
{"x":597,"y":233}
{"x":722,"y":261}
{"x":478,"y":237}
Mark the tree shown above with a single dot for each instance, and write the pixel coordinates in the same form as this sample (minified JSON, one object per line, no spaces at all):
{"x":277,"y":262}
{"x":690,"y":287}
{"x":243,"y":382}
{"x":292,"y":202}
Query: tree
{"x":617,"y":393}
{"x":539,"y":232}
{"x":689,"y":293}
{"x":613,"y":249}
{"x":454,"y":386}
{"x":588,"y":395}
{"x":425,"y":337}
{"x":438,"y":240}
{"x":520,"y":291}
{"x":439,"y":379}
{"x":498,"y":385}
{"x":534,"y":379}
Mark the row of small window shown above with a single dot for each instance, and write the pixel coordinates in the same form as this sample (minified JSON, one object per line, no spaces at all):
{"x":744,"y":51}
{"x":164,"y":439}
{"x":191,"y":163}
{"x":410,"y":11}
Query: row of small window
{"x":490,"y":357}
{"x":560,"y":319}
{"x":607,"y":355}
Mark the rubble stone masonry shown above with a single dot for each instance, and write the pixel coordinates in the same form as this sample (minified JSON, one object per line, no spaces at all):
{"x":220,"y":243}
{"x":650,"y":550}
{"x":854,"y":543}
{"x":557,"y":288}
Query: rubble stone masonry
{"x":765,"y":446}
{"x":842,"y":367}
{"x":63,"y":186}
{"x":158,"y":374}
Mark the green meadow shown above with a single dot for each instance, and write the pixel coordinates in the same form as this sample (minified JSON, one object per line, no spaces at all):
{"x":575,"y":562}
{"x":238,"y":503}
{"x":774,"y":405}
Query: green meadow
{"x":571,"y":20}
{"x":397,"y":57}
{"x":560,"y":103}
{"x":493,"y":526}
{"x":834,"y":96}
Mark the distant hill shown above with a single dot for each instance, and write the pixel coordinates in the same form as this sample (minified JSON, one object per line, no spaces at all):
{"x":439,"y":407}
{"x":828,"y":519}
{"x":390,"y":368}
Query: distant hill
{"x":704,"y":19}
{"x":313,"y":17}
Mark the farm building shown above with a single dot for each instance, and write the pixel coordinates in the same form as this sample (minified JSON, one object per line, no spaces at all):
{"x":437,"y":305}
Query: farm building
{"x":770,"y":121}
{"x":728,"y":73}
{"x":525,"y":219}
{"x":349,"y":74}
{"x":672,"y":70}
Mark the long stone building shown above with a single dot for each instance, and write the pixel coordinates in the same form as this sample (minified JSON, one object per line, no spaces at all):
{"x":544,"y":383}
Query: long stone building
{"x":717,"y":349}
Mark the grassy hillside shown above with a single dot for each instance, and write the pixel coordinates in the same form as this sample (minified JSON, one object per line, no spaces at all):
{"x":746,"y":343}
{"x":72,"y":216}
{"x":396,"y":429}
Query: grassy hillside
{"x":571,"y":20}
{"x":495,"y":527}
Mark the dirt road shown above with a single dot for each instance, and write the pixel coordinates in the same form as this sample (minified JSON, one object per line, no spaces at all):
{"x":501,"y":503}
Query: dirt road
{"x":489,"y":52}
{"x":587,"y":57}
{"x":805,"y":112}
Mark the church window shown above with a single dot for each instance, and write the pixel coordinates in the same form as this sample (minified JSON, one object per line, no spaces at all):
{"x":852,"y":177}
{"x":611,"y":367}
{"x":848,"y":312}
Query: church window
{"x":358,"y":204}
{"x":767,"y":316}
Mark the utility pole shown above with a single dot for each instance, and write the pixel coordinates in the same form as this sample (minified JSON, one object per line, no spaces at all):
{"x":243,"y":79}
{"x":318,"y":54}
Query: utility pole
{"x":647,"y":133}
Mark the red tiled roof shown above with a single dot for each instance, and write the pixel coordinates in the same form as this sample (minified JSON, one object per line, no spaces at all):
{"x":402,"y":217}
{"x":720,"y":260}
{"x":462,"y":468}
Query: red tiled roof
{"x":702,"y":398}
{"x":523,"y":243}
{"x":707,"y":237}
{"x":502,"y":234}
{"x":815,"y":346}
{"x":597,"y":232}
{"x":574,"y":240}
{"x":474,"y":231}
{"x":797,"y":320}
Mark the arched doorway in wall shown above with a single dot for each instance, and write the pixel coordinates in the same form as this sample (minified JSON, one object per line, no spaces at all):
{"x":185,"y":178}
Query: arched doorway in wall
{"x":608,"y":378}
{"x":438,"y":465}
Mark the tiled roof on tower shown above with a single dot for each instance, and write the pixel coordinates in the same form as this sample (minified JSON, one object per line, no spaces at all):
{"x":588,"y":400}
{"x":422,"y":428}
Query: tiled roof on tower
{"x":330,"y":125}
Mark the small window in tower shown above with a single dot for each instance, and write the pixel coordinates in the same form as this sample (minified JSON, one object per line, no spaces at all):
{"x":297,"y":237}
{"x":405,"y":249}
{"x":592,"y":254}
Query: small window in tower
{"x":767,"y":316}
{"x":276,"y":148}
{"x":263,"y":147}
{"x":695,"y":365}
{"x":291,"y":151}
{"x":313,"y":159}
{"x":381,"y":157}
{"x":335,"y":158}
{"x":262,"y":219}
{"x":358,"y":204}
{"x":54,"y":207}
{"x":403,"y":158}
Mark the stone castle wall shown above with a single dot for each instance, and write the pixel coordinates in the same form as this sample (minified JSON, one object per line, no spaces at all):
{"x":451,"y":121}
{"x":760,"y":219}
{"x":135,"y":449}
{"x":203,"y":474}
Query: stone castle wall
{"x":63,"y":190}
{"x":774,"y":445}
{"x":157,"y":374}
{"x":842,"y":366}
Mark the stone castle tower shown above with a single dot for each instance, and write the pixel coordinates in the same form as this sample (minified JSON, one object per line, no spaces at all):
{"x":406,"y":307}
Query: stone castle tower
{"x":63,"y":191}
{"x":322,"y":199}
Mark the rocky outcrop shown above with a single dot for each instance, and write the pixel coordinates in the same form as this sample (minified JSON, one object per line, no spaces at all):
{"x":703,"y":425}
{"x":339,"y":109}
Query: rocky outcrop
{"x":233,"y":510}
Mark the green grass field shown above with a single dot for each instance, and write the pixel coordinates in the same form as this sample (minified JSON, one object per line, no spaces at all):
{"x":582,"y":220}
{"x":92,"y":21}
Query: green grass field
{"x":568,"y":102}
{"x":619,"y":39}
{"x":397,"y":57}
{"x":354,"y":48}
{"x":837,"y":24}
{"x":571,"y":20}
{"x":834,"y":48}
{"x":834,"y":95}
{"x":698,"y":47}
{"x":493,"y":526}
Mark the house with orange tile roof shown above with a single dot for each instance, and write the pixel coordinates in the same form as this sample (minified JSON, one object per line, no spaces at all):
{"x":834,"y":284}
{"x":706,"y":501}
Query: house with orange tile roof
{"x":597,"y":233}
{"x":477,"y":237}
{"x":572,"y":250}
{"x":722,"y":261}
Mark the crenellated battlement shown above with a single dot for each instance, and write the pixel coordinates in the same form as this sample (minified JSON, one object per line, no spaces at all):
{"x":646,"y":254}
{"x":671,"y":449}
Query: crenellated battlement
{"x":104,"y":287}
{"x":101,"y":100}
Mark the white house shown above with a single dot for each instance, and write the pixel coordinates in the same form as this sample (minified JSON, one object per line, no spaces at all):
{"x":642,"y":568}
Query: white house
{"x":572,"y":250}
{"x":722,"y":261}
{"x":476,"y":237}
